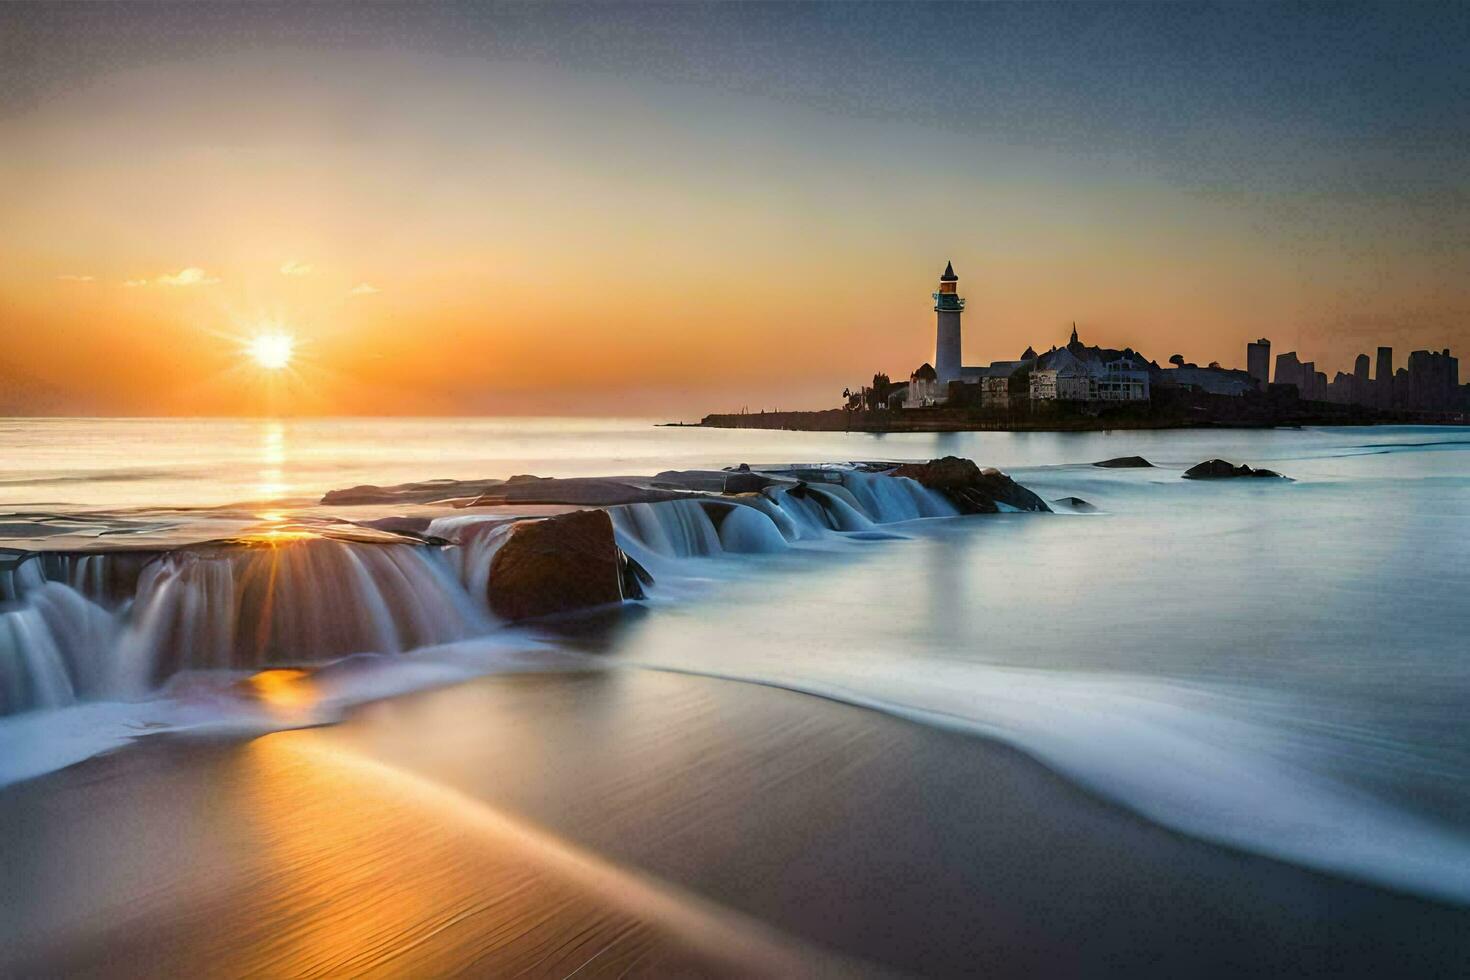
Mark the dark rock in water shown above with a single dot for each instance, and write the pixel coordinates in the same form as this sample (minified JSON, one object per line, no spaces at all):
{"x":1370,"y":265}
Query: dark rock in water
{"x":971,"y":489}
{"x":1125,"y":463}
{"x":561,"y":563}
{"x":744,"y":481}
{"x":1076,"y":503}
{"x":1219,"y":469}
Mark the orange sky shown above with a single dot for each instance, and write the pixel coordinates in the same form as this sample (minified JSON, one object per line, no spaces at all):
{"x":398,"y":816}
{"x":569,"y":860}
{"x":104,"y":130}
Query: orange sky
{"x":450,"y":235}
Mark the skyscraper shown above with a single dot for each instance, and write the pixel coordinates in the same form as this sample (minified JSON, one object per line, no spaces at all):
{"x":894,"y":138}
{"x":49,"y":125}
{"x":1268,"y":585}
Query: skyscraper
{"x":1258,"y":362}
{"x":1385,"y":365}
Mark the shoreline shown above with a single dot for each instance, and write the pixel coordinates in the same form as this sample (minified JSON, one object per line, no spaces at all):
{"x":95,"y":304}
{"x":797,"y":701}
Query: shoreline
{"x":831,"y":827}
{"x":927,"y":420}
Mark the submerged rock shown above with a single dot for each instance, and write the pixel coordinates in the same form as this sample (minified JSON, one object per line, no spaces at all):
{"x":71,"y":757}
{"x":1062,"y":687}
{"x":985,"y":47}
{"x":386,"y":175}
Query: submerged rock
{"x":1077,"y":504}
{"x":428,"y":491}
{"x":968,"y":487}
{"x":1219,"y":469}
{"x":581,"y":491}
{"x":1125,"y":463}
{"x":559,"y":564}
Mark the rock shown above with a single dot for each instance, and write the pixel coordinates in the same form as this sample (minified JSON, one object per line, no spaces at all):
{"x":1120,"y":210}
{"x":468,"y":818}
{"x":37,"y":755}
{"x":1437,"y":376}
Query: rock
{"x":428,"y":491}
{"x":702,"y":481}
{"x":1219,"y":469}
{"x":971,"y":489}
{"x":558,"y":564}
{"x":1077,"y":504}
{"x":744,"y":481}
{"x":1124,"y":463}
{"x":580,"y":491}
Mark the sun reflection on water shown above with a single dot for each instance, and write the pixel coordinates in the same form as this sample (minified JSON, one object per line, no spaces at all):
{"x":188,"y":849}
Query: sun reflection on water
{"x":272,"y":460}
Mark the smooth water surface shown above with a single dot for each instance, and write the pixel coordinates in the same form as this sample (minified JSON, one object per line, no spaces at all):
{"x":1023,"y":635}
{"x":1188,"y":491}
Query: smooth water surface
{"x":1280,"y":666}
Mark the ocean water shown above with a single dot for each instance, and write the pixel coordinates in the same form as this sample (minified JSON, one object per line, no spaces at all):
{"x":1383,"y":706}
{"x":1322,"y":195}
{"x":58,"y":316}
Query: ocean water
{"x":1281,"y":667}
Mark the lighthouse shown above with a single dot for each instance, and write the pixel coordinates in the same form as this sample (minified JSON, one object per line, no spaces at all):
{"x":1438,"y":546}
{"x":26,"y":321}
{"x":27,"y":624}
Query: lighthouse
{"x":947,"y":307}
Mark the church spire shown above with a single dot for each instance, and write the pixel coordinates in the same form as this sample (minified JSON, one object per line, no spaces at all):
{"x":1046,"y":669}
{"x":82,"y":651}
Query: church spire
{"x":949,"y":275}
{"x":1074,"y":339}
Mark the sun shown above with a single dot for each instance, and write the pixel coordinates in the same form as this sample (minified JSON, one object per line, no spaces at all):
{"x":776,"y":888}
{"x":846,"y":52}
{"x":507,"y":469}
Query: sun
{"x":272,"y":351}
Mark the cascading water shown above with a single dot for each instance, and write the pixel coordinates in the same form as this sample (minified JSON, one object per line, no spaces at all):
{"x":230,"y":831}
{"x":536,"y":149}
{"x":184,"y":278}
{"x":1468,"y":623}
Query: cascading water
{"x":312,"y":600}
{"x":84,"y":627}
{"x":49,"y":649}
{"x":226,"y":608}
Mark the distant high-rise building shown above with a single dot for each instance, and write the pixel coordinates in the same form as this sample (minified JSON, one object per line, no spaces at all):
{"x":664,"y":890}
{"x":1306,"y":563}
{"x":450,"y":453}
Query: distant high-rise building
{"x":1306,"y":387}
{"x":1385,"y":365}
{"x":1360,"y":371}
{"x":1258,"y":362}
{"x":1289,"y":370}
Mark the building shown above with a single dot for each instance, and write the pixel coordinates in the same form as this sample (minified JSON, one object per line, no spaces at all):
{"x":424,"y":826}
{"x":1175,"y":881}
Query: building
{"x":924,"y":389}
{"x":1081,"y":373}
{"x":1289,"y":370}
{"x":1213,"y":380}
{"x":948,"y":349}
{"x":995,"y":391}
{"x":1306,"y":388}
{"x":1385,"y":365}
{"x":1076,"y":372}
{"x":1258,"y":362}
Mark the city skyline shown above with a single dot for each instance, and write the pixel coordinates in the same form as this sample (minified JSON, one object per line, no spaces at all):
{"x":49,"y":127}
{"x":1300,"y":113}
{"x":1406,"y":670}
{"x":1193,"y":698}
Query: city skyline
{"x":567,"y":210}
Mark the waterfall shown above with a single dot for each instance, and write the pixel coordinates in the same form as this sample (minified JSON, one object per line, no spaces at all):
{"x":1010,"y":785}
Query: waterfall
{"x":110,"y":625}
{"x":478,"y":538}
{"x":773,"y":520}
{"x":53,"y":649}
{"x":653,"y":533}
{"x":246,"y":608}
{"x":226,"y":608}
{"x":888,"y":499}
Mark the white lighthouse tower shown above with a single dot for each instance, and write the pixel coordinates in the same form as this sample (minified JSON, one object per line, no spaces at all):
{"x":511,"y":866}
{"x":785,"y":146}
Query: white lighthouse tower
{"x":948,"y":306}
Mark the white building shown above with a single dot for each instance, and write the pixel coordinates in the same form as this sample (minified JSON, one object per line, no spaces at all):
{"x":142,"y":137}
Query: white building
{"x":1076,"y":373}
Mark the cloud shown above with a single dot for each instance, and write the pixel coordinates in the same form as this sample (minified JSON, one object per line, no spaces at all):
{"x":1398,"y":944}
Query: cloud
{"x":294,"y":268}
{"x":69,"y":277}
{"x":192,"y":276}
{"x":135,"y":283}
{"x":364,"y":289}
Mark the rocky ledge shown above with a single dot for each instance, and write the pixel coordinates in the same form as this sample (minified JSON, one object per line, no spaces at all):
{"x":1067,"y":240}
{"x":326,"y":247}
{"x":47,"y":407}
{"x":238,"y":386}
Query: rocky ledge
{"x":571,"y":561}
{"x":971,"y":489}
{"x":1220,"y":469}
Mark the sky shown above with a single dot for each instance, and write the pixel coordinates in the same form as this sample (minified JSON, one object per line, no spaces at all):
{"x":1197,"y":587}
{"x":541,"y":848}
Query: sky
{"x":672,"y":210}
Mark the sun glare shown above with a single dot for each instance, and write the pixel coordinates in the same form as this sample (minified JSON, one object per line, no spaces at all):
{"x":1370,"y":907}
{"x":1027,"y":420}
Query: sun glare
{"x":271,"y":351}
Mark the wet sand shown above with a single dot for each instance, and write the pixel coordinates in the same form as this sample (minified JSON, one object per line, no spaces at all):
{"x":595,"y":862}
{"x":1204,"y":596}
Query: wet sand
{"x":635,"y":821}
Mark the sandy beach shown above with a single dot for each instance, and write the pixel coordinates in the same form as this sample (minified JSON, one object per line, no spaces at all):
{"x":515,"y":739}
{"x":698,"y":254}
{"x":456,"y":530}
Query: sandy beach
{"x":736,"y":829}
